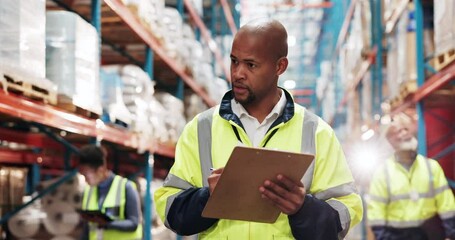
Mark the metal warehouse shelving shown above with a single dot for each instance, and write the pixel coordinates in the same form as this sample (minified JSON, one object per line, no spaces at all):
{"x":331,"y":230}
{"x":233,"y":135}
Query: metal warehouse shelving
{"x":59,"y":130}
{"x":434,"y":95}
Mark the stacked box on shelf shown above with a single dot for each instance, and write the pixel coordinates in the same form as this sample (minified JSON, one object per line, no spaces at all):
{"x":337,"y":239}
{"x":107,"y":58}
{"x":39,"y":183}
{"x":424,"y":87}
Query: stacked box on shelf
{"x":72,"y":59}
{"x":12,"y":187}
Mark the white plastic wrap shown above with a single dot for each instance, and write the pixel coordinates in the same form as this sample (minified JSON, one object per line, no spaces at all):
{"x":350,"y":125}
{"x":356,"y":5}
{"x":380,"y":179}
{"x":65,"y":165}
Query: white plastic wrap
{"x":174,"y":119}
{"x":173,"y":35}
{"x":72,"y":58}
{"x":217,"y":87}
{"x":22,"y":35}
{"x":136,"y":84}
{"x":112,"y":98}
{"x":137,"y":92}
{"x":444,"y":27}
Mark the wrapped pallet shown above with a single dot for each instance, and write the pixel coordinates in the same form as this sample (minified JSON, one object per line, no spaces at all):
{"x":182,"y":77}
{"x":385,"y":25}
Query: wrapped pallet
{"x":22,"y":36}
{"x":444,"y":27}
{"x":114,"y":108}
{"x":72,"y":59}
{"x":137,"y":94}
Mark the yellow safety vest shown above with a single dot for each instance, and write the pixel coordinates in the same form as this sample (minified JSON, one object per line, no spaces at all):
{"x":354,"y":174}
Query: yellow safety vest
{"x":327,"y":176}
{"x":115,"y":198}
{"x":403,"y":199}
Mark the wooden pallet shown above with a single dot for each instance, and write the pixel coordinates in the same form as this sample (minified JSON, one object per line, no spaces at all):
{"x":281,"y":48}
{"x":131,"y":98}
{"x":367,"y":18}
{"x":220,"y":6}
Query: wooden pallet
{"x":66,"y":103}
{"x":19,"y":84}
{"x":442,"y":60}
{"x":407,"y":89}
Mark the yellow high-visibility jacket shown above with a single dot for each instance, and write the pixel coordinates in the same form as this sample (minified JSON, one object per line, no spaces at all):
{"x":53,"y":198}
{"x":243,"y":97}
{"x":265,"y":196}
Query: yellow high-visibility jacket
{"x":405,"y":199}
{"x":331,"y":205}
{"x":115,"y":198}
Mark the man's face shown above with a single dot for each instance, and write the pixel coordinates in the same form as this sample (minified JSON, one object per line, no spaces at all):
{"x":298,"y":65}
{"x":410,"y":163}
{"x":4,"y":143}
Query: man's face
{"x":93,"y":176}
{"x":401,"y":138}
{"x":253,"y":69}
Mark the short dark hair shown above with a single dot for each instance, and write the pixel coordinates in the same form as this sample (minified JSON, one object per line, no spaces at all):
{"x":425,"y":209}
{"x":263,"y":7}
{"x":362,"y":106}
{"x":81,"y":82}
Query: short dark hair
{"x":93,"y":156}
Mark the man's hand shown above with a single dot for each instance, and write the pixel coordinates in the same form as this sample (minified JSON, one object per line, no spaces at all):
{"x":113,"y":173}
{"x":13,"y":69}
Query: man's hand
{"x":213,"y":178}
{"x":284,"y":193}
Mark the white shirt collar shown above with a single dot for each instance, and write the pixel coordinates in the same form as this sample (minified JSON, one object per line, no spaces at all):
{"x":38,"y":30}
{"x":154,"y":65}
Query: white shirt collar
{"x":241,"y":112}
{"x":256,"y":131}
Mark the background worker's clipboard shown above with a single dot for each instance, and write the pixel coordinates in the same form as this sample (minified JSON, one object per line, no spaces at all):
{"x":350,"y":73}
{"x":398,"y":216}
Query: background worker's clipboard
{"x":236,"y":195}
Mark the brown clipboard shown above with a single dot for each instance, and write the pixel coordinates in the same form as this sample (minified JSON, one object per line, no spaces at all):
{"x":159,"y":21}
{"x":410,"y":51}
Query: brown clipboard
{"x":236,"y":195}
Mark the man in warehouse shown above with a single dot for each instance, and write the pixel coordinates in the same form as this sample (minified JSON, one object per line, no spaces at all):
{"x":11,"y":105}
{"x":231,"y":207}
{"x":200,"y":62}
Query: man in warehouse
{"x":112,"y":194}
{"x":258,"y":113}
{"x":409,"y":195}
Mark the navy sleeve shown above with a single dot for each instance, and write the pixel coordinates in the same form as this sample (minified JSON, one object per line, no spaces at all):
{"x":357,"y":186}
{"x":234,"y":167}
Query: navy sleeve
{"x":449,"y":227}
{"x":316,"y":220}
{"x":184,"y":216}
{"x":379,"y":232}
{"x":132,"y":212}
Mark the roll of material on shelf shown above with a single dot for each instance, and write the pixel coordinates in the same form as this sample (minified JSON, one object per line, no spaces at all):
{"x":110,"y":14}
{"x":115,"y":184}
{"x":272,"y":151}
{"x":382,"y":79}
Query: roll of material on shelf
{"x":25,"y":224}
{"x":61,"y":218}
{"x":69,"y":192}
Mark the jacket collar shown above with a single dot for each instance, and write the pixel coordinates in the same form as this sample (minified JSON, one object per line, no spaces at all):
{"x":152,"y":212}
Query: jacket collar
{"x":227,"y":113}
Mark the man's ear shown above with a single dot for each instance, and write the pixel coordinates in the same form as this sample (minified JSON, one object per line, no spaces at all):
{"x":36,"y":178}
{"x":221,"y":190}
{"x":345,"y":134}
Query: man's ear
{"x":282,"y":65}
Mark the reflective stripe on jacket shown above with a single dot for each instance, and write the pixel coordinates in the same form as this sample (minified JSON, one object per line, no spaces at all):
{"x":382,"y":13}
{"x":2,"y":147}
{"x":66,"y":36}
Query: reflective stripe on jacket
{"x":405,"y":199}
{"x":328,"y":177}
{"x":115,"y":199}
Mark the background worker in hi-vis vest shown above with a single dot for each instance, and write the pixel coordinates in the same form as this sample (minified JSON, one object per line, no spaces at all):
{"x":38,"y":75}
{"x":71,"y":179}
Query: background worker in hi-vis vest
{"x":409,"y":195}
{"x":258,"y":113}
{"x":112,"y":194}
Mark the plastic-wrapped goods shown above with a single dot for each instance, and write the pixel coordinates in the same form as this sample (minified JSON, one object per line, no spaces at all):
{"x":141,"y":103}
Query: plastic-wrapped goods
{"x":173,"y":35}
{"x":22,"y":35}
{"x":393,"y":86}
{"x":406,"y":46}
{"x":72,"y":58}
{"x":444,"y":27}
{"x":198,"y":6}
{"x":174,"y":119}
{"x":193,"y":105}
{"x":149,"y":12}
{"x":156,"y":118}
{"x":137,"y":92}
{"x":112,"y":98}
{"x":187,"y":32}
{"x":216,"y":88}
{"x":136,"y":84}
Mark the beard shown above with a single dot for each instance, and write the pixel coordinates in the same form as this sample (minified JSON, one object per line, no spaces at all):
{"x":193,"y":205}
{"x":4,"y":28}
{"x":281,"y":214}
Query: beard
{"x":410,"y":144}
{"x":245,"y":101}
